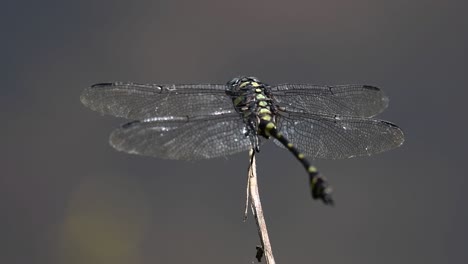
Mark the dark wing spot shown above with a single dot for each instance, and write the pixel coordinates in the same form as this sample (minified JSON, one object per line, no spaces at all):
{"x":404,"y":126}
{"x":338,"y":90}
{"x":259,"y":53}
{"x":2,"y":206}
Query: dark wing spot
{"x":101,"y":85}
{"x":370,"y":87}
{"x":129,"y":124}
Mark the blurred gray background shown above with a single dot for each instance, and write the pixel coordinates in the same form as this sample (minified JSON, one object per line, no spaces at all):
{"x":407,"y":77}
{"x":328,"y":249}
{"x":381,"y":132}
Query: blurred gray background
{"x":67,"y":197}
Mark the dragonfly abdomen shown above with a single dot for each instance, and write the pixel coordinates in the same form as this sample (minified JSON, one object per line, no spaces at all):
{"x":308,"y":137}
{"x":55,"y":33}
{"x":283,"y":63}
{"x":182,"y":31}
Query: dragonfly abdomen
{"x":318,"y":185}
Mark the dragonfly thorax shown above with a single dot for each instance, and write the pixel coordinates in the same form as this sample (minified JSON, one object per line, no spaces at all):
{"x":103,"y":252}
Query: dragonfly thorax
{"x":252,"y":100}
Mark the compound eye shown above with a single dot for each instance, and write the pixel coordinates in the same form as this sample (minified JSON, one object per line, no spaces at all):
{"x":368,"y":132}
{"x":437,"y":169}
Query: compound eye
{"x":233,"y":81}
{"x":255,"y":79}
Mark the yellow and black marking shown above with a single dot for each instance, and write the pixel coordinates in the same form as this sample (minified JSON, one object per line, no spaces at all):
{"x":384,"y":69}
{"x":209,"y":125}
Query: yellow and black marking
{"x":318,"y":185}
{"x":252,"y":101}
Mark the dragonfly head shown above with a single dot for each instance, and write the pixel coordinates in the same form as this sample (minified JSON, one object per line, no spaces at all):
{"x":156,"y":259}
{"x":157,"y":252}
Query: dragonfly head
{"x":238,"y":81}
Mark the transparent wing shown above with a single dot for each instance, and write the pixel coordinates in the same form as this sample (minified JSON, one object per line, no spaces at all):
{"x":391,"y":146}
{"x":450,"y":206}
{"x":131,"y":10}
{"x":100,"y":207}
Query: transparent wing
{"x":183,"y":138}
{"x":334,"y":137}
{"x":347,"y":100}
{"x":142,"y":101}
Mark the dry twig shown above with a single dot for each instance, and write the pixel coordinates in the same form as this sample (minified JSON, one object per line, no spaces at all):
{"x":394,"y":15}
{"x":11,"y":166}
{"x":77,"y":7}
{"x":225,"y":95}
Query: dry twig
{"x":253,"y":197}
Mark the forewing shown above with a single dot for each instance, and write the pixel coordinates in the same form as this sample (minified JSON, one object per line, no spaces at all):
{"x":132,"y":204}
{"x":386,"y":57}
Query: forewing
{"x":346,"y":100}
{"x":142,"y":101}
{"x":183,"y":138}
{"x":334,"y":137}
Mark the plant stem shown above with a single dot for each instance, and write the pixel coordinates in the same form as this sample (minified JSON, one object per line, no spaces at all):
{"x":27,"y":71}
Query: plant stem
{"x":257,"y":211}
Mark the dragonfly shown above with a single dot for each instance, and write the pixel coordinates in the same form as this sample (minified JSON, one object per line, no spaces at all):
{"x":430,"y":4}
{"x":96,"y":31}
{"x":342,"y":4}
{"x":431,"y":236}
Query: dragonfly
{"x":204,"y":121}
